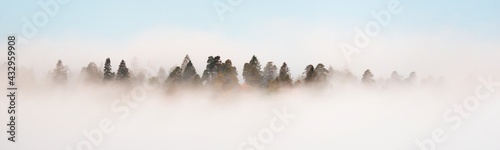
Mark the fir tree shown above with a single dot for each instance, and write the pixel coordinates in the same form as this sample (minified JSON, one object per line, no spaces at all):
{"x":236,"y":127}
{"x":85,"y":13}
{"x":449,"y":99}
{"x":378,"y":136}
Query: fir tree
{"x":108,"y":75}
{"x":188,"y":72}
{"x":320,"y":74}
{"x":269,"y":73}
{"x":309,"y":73}
{"x":185,"y":63}
{"x":60,"y":73}
{"x":230,"y":74}
{"x":92,"y":72}
{"x":123,"y":74}
{"x":284,"y":79}
{"x":189,"y":75}
{"x":213,"y":65}
{"x":412,"y":78}
{"x":368,"y":77}
{"x":174,"y":78}
{"x":395,"y":77}
{"x":251,"y":72}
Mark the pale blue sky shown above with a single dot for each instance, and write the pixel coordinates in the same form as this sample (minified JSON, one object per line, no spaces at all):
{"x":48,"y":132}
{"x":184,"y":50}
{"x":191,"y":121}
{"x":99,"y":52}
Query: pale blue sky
{"x":124,"y":19}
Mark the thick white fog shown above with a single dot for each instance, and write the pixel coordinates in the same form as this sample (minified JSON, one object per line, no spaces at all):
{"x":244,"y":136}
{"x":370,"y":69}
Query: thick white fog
{"x":348,"y":116}
{"x":342,"y":116}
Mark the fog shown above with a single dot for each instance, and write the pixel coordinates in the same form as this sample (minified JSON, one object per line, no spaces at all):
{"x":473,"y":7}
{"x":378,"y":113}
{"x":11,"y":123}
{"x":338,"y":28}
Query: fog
{"x":342,"y":115}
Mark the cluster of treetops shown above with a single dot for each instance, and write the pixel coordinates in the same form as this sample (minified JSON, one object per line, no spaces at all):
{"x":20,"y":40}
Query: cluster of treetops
{"x":220,"y":74}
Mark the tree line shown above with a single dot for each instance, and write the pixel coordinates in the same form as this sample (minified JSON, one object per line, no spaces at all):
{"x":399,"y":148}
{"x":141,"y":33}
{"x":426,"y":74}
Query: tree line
{"x":221,"y":75}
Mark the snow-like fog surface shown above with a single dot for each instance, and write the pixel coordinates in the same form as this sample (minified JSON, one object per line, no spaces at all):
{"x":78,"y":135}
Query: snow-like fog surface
{"x":349,"y":118}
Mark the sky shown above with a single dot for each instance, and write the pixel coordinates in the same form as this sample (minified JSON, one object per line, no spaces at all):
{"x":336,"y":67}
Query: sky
{"x":297,"y":31}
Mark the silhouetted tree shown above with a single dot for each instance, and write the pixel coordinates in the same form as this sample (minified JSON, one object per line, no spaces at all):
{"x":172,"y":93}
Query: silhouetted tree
{"x":188,"y":72}
{"x":60,"y":73}
{"x":251,"y":72}
{"x":309,"y":74}
{"x":189,"y":75}
{"x":230,"y":74}
{"x":123,"y":74}
{"x":368,"y":77}
{"x":270,"y":73}
{"x":213,"y":65}
{"x":108,"y":75}
{"x":284,"y":79}
{"x":185,"y":63}
{"x":174,"y":78}
{"x":395,"y":77}
{"x":412,"y":78}
{"x":93,"y":73}
{"x":320,"y":74}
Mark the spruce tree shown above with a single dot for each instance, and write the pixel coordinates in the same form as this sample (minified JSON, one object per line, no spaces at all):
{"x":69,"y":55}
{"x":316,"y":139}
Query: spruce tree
{"x":123,"y":74}
{"x":251,"y":72}
{"x":269,"y":73}
{"x":309,"y":73}
{"x":188,"y":73}
{"x":213,"y":65}
{"x":185,"y":63}
{"x":320,"y":74}
{"x":60,"y":73}
{"x":368,"y":77}
{"x":174,"y":78}
{"x":92,"y":72}
{"x":230,"y":74}
{"x":395,"y":77}
{"x":108,"y":75}
{"x":284,"y":79}
{"x":412,"y":78}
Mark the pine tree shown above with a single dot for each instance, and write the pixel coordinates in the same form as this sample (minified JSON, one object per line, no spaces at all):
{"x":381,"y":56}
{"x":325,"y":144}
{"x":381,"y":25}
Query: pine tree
{"x":189,"y":73}
{"x":230,"y":74}
{"x":174,"y":78}
{"x":185,"y":63}
{"x":123,"y":74}
{"x":108,"y":75}
{"x":320,"y":74}
{"x":412,"y":78}
{"x":284,"y":79}
{"x":196,"y":81}
{"x":60,"y":73}
{"x":92,"y":72}
{"x":368,"y":77}
{"x":251,"y":72}
{"x":269,"y":73}
{"x":395,"y":77}
{"x":309,"y":73}
{"x":219,"y":82}
{"x":213,"y":65}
